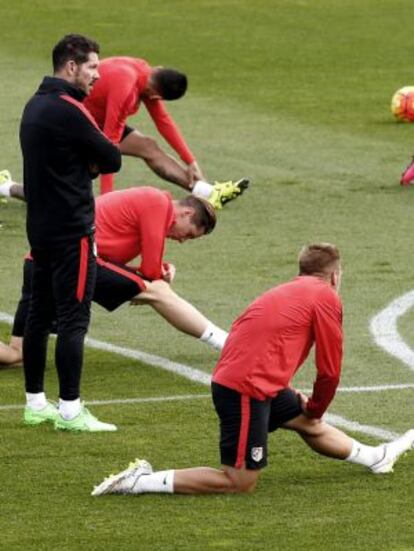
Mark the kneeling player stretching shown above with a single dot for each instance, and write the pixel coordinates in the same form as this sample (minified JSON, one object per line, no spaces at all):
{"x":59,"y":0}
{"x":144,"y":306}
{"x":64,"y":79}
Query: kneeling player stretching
{"x":251,"y":388}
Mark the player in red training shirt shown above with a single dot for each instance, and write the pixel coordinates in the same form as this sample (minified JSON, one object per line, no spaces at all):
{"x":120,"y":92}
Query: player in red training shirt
{"x":124,"y":83}
{"x":130,"y":223}
{"x":251,"y":388}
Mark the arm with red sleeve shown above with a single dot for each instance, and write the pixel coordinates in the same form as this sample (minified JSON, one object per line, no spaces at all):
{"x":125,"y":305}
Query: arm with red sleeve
{"x":155,"y":218}
{"x":327,"y":327}
{"x":168,"y":129}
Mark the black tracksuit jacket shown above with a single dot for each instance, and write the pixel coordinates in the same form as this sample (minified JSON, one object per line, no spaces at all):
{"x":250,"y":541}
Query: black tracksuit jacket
{"x":60,"y":143}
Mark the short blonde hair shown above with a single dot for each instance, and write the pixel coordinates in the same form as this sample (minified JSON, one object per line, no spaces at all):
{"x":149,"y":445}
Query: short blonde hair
{"x":319,"y":258}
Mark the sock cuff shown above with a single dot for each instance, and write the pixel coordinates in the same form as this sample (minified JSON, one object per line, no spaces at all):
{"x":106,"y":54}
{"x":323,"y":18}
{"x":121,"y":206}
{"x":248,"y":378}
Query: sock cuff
{"x":202,"y":189}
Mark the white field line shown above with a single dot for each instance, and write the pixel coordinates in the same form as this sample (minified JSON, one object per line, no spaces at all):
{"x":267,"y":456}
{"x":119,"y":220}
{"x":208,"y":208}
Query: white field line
{"x":199,"y":376}
{"x":354,"y":426}
{"x":384,"y":329}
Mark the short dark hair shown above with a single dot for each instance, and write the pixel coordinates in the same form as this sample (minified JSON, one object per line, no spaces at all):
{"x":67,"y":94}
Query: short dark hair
{"x":169,"y":83}
{"x":73,"y":46}
{"x":204,"y":213}
{"x":319,"y":258}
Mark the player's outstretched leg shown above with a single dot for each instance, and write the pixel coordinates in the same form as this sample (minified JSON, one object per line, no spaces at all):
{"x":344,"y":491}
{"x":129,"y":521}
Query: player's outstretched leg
{"x":332,"y":442}
{"x":139,"y":478}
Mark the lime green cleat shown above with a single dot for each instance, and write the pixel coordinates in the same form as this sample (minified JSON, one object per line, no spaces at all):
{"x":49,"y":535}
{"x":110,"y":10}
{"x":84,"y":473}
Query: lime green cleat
{"x":5,"y":176}
{"x":5,"y":184}
{"x":85,"y":422}
{"x":37,"y":416}
{"x":223,"y":192}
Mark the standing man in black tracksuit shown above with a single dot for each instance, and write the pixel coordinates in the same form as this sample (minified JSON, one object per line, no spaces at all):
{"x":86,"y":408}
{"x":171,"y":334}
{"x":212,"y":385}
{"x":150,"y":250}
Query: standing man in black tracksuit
{"x":62,"y":148}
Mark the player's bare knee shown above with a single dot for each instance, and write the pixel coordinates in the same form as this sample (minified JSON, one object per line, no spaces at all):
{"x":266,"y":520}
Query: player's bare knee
{"x":247,"y":486}
{"x":305,"y":426}
{"x":242,"y":481}
{"x":156,"y":291}
{"x":147,"y":149}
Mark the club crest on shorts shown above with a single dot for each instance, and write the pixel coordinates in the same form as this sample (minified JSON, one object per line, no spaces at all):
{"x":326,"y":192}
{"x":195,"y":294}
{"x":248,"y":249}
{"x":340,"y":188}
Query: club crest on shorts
{"x":257,"y":454}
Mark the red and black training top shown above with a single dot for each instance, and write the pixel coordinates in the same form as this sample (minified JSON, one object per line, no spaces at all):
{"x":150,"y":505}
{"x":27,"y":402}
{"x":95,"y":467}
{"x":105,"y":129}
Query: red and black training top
{"x":60,"y":141}
{"x":272,"y":338}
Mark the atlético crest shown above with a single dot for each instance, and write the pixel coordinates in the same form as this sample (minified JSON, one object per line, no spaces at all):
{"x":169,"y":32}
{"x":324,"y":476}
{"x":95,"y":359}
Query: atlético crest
{"x":257,"y":454}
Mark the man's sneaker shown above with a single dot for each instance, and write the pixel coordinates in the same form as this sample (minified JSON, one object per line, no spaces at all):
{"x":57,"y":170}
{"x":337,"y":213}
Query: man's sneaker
{"x":223,"y":192}
{"x":408,"y":175}
{"x":392,"y":452}
{"x":85,"y":422}
{"x":37,"y":416}
{"x":125,"y":481}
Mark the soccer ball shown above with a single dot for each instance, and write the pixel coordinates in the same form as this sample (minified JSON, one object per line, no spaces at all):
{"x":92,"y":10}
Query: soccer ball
{"x":402,"y":104}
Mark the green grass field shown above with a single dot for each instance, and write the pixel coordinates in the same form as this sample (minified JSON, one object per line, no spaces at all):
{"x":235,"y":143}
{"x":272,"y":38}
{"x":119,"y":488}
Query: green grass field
{"x":294,"y":94}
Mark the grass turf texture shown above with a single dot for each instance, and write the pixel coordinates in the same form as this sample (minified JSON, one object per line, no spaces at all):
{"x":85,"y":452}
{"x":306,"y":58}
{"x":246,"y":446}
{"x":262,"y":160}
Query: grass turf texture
{"x":295,"y":95}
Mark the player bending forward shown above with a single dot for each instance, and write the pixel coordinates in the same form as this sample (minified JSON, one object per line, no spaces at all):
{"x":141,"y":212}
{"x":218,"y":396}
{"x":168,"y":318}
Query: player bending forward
{"x":251,"y":393}
{"x":130,"y":223}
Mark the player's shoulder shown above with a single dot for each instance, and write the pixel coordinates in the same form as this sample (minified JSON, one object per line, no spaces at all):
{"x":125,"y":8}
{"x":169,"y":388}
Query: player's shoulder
{"x":327,"y":301}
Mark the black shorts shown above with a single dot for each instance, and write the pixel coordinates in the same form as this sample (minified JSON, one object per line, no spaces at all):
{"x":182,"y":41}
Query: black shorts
{"x":126,"y":132}
{"x":115,"y":284}
{"x":245,"y":423}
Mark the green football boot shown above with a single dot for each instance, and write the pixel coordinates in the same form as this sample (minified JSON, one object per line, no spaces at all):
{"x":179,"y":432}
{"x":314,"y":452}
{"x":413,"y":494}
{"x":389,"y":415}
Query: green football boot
{"x":84,"y":422}
{"x":37,"y":416}
{"x":223,"y":192}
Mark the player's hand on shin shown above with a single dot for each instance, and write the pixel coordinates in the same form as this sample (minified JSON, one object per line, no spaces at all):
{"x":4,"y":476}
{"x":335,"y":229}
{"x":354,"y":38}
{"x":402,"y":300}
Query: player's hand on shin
{"x":194,"y":173}
{"x":168,"y":272}
{"x":303,"y":401}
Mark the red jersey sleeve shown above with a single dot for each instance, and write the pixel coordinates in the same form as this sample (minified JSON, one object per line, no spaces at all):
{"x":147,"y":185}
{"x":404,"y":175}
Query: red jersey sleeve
{"x":155,"y":220}
{"x":168,"y":129}
{"x":327,"y":327}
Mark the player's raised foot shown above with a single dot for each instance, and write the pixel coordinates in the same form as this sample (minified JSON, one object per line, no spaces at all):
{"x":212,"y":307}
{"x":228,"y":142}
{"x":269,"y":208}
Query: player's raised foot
{"x":124,"y":482}
{"x":392,"y":452}
{"x":84,"y":422}
{"x":38,"y":416}
{"x":408,"y":175}
{"x":5,"y":183}
{"x":223,"y":192}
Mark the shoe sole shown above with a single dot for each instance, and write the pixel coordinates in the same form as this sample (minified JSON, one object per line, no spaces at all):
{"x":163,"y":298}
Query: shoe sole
{"x":243,"y":184}
{"x":72,"y":429}
{"x":39,"y":422}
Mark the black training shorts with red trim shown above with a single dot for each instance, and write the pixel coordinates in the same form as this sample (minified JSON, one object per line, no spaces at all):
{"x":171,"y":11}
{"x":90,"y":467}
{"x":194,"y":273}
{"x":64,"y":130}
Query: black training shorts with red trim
{"x":116,"y":284}
{"x":245,"y":423}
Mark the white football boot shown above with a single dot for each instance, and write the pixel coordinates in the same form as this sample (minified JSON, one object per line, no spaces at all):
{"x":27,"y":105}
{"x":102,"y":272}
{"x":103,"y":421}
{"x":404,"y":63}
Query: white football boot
{"x":392,"y":452}
{"x":125,"y":481}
